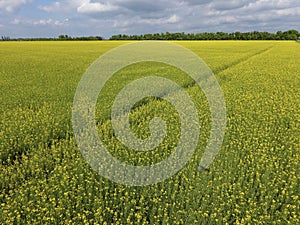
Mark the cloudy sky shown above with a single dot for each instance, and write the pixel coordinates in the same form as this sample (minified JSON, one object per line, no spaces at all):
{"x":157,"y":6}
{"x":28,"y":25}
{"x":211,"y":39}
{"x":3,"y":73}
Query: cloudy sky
{"x":50,"y":18}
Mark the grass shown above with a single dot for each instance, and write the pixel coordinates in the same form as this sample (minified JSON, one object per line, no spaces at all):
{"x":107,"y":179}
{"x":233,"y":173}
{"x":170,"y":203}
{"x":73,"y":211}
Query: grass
{"x":254,"y":179}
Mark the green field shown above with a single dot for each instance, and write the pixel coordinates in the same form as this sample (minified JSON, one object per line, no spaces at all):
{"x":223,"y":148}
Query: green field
{"x":254,"y":179}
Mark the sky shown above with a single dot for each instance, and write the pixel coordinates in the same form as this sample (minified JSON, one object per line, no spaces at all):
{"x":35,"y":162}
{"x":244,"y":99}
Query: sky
{"x":51,"y":18}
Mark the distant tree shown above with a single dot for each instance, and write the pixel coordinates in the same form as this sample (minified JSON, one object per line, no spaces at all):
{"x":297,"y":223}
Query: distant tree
{"x":254,"y":35}
{"x":291,"y":35}
{"x":222,"y":36}
{"x":279,"y":35}
{"x":5,"y":38}
{"x":64,"y":37}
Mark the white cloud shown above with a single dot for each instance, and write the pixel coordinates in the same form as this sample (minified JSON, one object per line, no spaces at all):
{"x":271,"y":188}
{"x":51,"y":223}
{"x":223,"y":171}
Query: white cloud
{"x":289,"y":12}
{"x":197,"y":2}
{"x":63,"y":6}
{"x":160,"y":21}
{"x":88,"y":7}
{"x":151,"y":22}
{"x":11,"y":5}
{"x":48,"y":22}
{"x":266,"y":5}
{"x":54,"y":7}
{"x":229,"y":4}
{"x":144,"y":6}
{"x":173,"y":19}
{"x":41,"y":22}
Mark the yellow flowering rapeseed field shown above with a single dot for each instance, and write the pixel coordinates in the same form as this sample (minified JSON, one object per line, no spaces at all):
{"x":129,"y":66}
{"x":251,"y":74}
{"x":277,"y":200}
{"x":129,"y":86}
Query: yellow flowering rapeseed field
{"x":254,"y":180}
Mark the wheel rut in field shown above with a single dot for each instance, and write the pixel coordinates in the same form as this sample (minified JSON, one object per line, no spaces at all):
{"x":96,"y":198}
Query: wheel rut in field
{"x":192,"y":84}
{"x":242,"y":60}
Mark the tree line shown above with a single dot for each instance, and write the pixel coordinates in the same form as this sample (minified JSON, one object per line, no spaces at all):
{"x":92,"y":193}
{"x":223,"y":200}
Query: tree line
{"x":254,"y":35}
{"x":59,"y":38}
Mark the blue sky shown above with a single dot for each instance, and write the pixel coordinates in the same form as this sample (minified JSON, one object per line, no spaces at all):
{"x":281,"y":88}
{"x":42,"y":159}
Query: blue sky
{"x":50,"y":18}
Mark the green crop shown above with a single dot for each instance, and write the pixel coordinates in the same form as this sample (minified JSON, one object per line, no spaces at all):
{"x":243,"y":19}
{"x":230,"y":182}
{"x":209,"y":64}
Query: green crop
{"x":254,"y":179}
